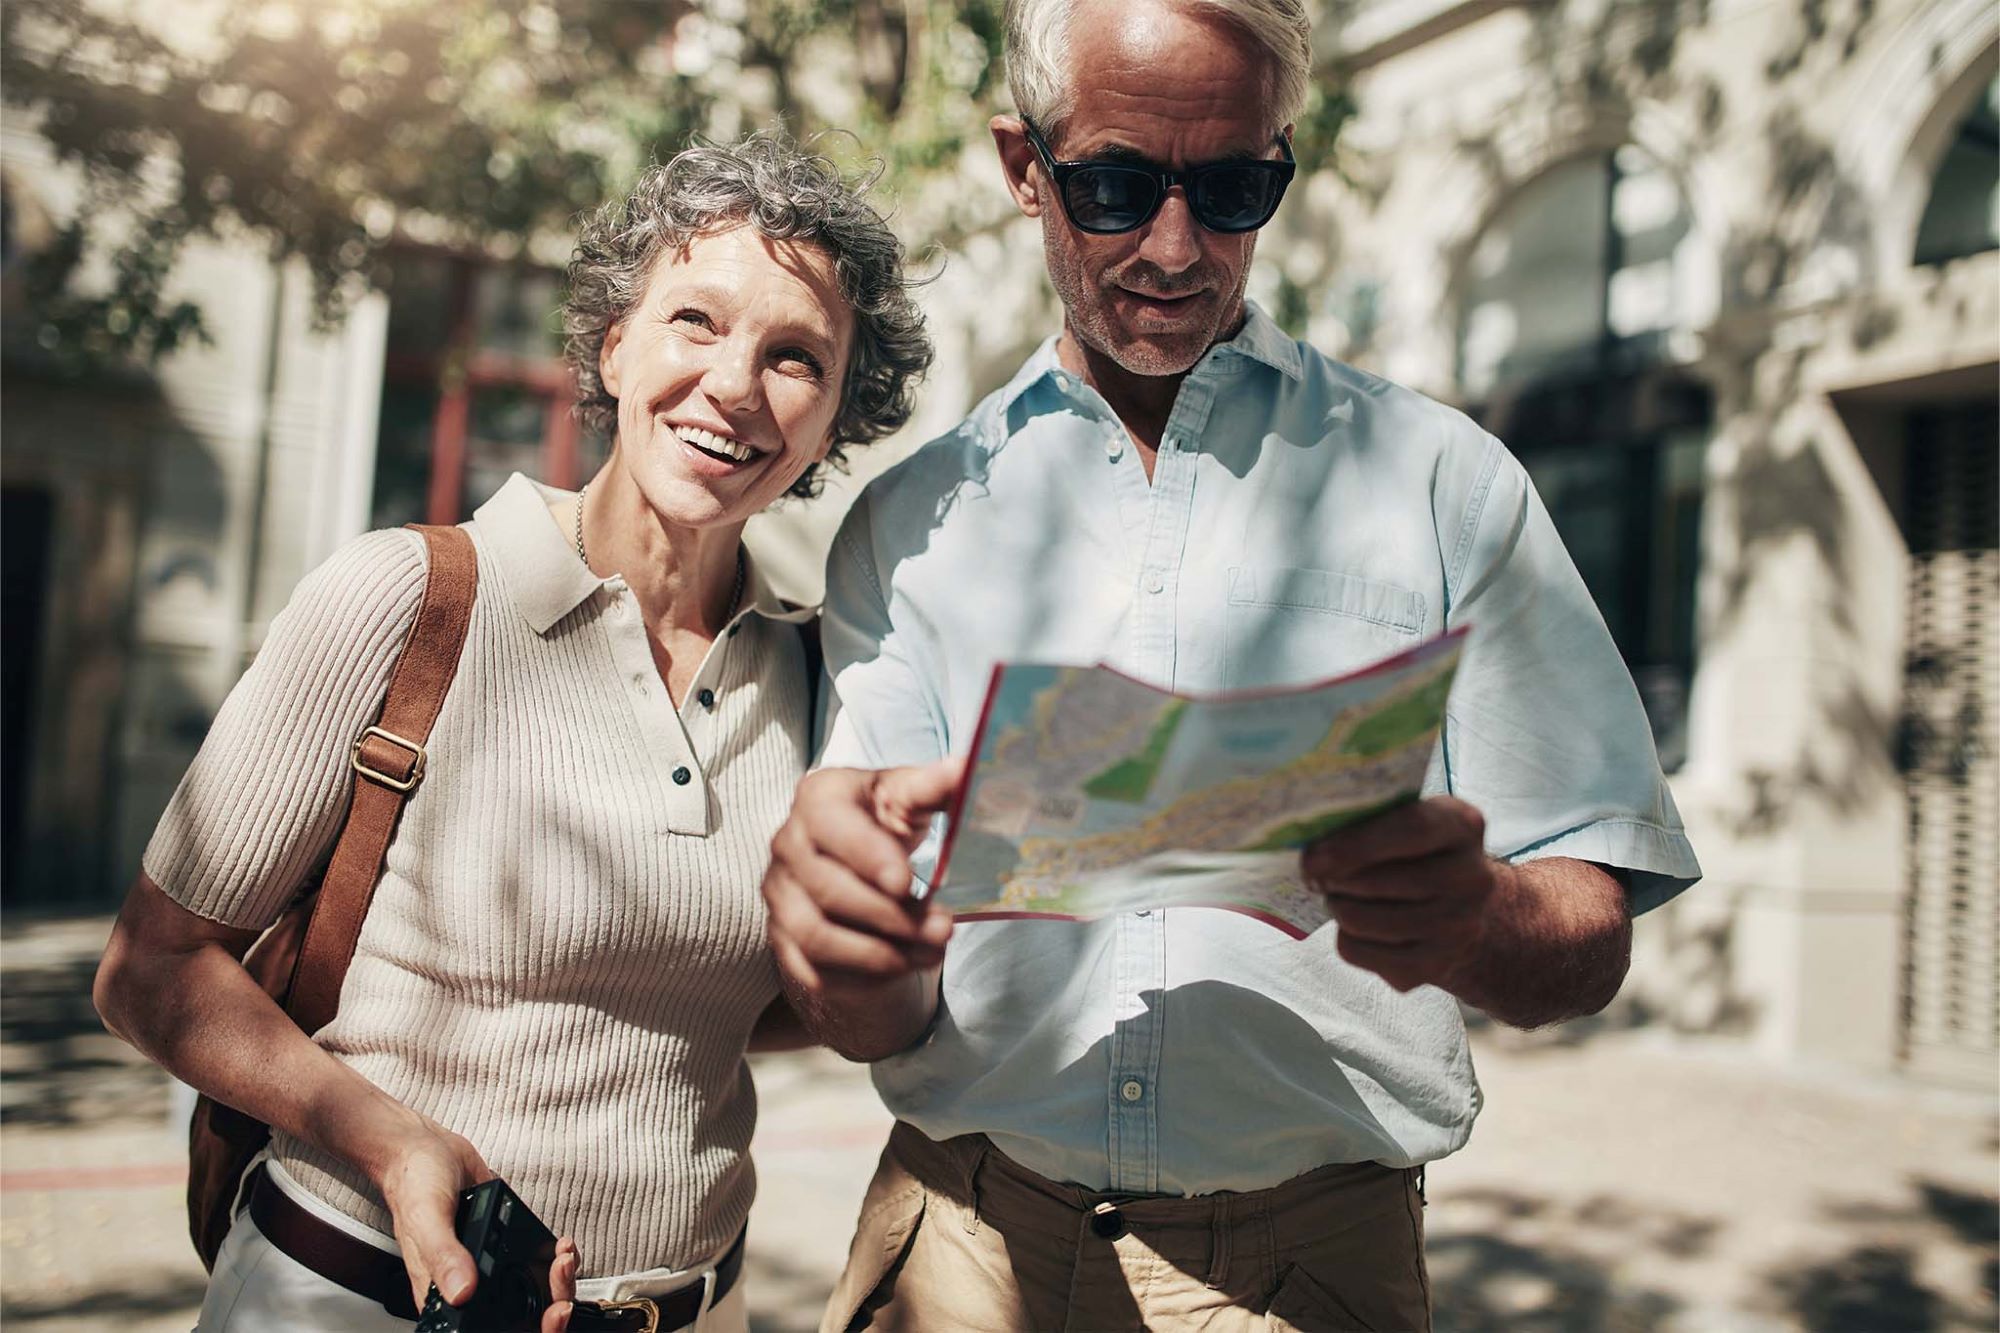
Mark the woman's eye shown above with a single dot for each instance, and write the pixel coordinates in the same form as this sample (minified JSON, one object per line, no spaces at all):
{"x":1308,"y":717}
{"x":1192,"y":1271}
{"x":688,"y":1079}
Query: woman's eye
{"x":694,"y":317}
{"x":801,"y":361}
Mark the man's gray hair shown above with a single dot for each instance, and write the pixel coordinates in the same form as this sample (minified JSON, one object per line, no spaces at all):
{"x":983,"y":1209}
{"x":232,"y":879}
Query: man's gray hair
{"x":1044,"y":87}
{"x":788,"y":194}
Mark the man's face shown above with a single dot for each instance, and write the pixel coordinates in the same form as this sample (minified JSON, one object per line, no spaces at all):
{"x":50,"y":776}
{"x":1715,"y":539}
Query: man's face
{"x":1176,"y":90}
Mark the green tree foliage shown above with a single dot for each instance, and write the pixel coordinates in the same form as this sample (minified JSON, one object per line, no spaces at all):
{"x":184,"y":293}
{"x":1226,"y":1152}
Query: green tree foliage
{"x":328,"y":130}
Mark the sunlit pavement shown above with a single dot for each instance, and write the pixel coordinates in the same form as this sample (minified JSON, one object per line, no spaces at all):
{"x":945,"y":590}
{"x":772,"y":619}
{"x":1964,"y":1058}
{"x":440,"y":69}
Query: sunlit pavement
{"x":1618,"y":1180}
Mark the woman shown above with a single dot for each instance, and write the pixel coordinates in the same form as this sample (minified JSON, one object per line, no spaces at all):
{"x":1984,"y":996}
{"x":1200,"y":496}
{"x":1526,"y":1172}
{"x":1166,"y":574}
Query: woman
{"x":565,"y":955}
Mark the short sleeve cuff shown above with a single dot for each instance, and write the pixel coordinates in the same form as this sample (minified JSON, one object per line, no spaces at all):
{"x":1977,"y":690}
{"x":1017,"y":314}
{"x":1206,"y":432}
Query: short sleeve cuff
{"x":1659,"y":860}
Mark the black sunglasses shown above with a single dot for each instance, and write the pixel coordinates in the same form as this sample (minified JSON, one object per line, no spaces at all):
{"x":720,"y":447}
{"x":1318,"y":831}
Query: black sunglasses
{"x":1105,"y":198}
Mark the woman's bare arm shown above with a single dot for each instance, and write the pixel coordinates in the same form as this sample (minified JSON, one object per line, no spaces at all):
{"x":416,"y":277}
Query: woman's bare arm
{"x":172,"y":984}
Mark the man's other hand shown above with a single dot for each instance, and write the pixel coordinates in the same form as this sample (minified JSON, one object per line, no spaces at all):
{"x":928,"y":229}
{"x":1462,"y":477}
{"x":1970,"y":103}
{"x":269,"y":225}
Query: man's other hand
{"x":1410,"y":890}
{"x":839,"y":884}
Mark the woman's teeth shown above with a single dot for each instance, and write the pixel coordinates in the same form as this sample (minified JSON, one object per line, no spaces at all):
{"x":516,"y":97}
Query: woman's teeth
{"x":709,"y":442}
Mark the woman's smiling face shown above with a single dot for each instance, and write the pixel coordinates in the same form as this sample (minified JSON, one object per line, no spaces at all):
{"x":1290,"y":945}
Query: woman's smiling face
{"x":728,"y":374}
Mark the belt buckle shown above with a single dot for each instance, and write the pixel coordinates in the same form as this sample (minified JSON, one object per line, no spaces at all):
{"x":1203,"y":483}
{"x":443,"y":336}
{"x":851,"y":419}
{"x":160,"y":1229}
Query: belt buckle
{"x":645,"y":1307}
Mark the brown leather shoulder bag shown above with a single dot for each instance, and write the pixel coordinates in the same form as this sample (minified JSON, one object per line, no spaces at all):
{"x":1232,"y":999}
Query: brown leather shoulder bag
{"x":302,"y":959}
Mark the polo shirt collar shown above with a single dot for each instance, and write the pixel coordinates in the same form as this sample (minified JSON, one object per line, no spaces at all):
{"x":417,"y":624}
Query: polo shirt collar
{"x":1260,"y":339}
{"x":548,"y":581}
{"x":539,"y":559}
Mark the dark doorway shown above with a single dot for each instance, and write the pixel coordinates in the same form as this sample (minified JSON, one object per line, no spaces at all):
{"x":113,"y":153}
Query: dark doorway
{"x":27,"y":527}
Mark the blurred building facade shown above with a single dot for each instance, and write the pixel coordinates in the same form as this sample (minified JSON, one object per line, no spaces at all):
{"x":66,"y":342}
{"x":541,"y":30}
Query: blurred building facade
{"x":1724,"y":274}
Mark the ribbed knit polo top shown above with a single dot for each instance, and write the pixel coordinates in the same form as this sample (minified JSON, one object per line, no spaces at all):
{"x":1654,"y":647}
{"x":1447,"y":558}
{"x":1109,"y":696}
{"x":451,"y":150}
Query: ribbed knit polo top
{"x":565,"y":954}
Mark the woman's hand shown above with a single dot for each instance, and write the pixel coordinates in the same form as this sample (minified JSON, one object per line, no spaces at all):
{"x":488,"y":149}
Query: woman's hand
{"x":420,"y":1167}
{"x":562,"y":1287}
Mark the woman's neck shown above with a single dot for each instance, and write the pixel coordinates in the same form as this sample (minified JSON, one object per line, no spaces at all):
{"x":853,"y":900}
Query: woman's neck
{"x":684,"y":578}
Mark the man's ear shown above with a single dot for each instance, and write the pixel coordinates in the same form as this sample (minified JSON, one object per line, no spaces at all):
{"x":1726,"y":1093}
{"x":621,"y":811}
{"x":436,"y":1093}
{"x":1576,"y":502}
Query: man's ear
{"x":607,"y":361}
{"x":1018,"y":161}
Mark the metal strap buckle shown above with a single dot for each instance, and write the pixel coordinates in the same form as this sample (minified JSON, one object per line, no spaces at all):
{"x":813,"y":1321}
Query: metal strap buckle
{"x":644,"y":1306}
{"x":389,"y":780}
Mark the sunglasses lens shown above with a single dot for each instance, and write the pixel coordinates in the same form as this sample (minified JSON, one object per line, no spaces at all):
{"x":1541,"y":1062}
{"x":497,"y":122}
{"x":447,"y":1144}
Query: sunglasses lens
{"x":1110,"y":199}
{"x":1236,"y":198}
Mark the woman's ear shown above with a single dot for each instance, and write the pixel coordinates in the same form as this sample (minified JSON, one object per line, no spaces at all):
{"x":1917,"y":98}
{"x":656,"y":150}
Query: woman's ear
{"x":1017,"y":160}
{"x":607,"y":358}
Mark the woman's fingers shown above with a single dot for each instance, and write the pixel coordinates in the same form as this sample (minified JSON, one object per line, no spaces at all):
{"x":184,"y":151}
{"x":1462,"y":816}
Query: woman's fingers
{"x":422,"y":1191}
{"x":431,"y":1251}
{"x":562,"y":1287}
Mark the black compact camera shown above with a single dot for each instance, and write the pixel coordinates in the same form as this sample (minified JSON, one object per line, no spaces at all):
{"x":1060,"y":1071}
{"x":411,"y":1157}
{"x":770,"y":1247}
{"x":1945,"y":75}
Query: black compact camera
{"x":512,"y":1252}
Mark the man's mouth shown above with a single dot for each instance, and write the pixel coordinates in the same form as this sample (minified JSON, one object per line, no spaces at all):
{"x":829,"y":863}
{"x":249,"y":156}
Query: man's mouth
{"x":1151,"y":301}
{"x":719,"y":447}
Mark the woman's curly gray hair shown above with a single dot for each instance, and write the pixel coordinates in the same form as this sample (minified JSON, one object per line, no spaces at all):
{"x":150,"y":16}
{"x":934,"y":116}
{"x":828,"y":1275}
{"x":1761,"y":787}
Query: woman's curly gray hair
{"x":769,"y":182}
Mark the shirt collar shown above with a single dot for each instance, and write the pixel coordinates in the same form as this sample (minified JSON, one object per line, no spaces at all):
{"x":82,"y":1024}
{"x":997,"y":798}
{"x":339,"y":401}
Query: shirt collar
{"x":1260,"y":339}
{"x":547,"y":579}
{"x":539,"y":559}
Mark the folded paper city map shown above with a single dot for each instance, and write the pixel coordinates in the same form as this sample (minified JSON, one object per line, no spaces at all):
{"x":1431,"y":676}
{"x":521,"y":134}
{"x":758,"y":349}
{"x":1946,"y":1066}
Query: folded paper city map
{"x":1092,"y":793}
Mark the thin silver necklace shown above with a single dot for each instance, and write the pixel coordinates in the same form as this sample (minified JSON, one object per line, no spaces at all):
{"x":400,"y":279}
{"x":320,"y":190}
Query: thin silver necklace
{"x":735,"y":593}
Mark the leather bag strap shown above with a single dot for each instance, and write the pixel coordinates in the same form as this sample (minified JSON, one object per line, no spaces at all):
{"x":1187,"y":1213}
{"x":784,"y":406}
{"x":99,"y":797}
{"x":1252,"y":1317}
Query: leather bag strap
{"x":388,"y":762}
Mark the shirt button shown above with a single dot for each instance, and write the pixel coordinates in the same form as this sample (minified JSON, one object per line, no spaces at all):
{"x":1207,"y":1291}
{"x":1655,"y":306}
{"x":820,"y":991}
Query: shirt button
{"x":1114,"y":446}
{"x":682,"y":777}
{"x":706,"y":698}
{"x":1155,"y":584}
{"x":1132,"y":1090}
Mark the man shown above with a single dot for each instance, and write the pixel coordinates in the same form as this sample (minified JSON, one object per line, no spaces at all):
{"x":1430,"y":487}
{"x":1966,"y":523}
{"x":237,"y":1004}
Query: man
{"x":1185,"y":1118}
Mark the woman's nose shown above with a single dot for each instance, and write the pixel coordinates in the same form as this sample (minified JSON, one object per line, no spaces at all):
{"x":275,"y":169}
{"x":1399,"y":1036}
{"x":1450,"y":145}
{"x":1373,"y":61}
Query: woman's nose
{"x":730,"y":379}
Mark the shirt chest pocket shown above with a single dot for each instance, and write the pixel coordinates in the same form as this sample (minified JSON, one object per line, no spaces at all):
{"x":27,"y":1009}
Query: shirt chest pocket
{"x":1288,"y":626}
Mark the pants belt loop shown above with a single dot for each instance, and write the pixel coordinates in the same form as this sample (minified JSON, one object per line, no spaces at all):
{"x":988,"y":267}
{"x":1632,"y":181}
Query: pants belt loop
{"x":1218,"y":1244}
{"x":707,"y":1301}
{"x":972,"y":1188}
{"x":1422,"y":1199}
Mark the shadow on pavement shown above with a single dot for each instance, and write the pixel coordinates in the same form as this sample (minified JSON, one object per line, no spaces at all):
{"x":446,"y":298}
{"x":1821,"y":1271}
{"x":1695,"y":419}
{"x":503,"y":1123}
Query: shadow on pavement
{"x":1506,"y":1263}
{"x":139,"y":1296}
{"x":1505,"y":1267}
{"x":62,"y":1067}
{"x":787,"y":1297}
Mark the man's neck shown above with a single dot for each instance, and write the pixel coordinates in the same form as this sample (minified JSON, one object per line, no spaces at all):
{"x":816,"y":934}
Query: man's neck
{"x":1143,"y":402}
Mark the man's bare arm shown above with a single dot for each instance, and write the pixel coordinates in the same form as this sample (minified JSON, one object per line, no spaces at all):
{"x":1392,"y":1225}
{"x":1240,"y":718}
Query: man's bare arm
{"x":1556,"y":946}
{"x":1418,"y":902}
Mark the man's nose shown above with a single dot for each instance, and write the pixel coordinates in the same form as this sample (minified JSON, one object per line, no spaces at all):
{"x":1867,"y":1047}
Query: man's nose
{"x":730,"y":379}
{"x":1171,"y":242}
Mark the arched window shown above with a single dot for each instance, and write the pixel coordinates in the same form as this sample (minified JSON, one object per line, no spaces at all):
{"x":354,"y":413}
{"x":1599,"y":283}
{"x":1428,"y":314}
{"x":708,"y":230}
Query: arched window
{"x":1567,"y":304}
{"x":1963,"y":215}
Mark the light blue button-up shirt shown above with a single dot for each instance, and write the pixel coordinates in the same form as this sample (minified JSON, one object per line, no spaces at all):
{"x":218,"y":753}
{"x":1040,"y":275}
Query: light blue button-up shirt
{"x":1302,"y":519}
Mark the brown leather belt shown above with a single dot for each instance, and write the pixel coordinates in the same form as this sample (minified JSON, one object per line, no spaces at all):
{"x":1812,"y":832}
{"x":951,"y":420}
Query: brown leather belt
{"x":380,"y":1276}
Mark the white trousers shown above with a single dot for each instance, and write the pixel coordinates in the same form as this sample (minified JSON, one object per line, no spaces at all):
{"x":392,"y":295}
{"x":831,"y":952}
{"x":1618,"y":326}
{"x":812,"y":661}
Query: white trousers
{"x":258,"y":1289}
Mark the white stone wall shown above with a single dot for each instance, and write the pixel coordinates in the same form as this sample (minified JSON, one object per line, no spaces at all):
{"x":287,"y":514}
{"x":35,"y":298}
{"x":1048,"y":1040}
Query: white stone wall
{"x":1805,"y":161}
{"x":225,"y":472}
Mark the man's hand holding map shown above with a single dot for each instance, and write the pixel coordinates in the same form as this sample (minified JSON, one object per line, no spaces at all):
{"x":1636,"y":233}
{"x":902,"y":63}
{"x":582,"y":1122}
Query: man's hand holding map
{"x":1091,"y":793}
